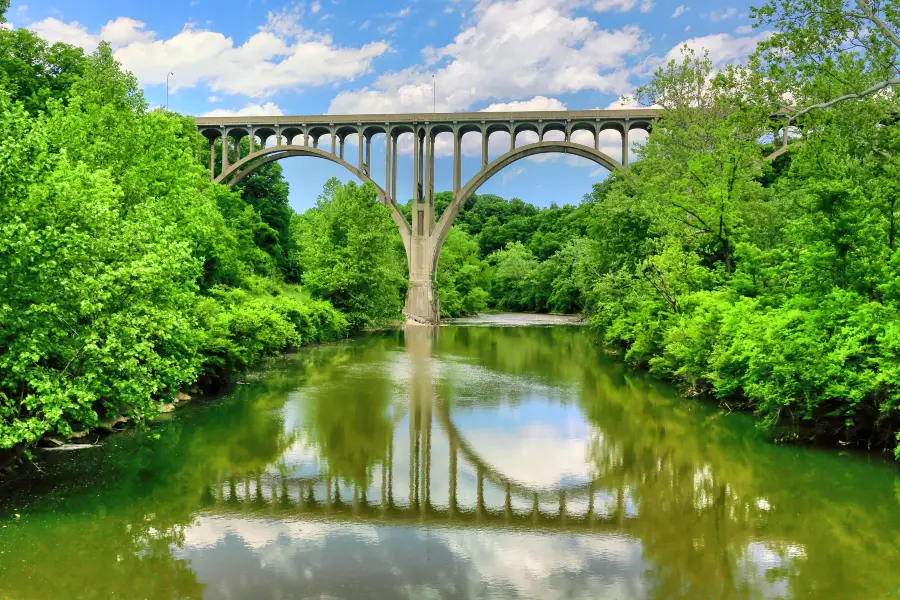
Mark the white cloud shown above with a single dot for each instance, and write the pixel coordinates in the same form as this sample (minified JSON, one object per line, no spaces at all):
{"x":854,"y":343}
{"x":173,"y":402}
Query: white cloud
{"x":620,"y":5}
{"x":722,"y":14}
{"x":432,"y":23}
{"x":404,"y":12}
{"x":723,"y":47}
{"x":448,"y":10}
{"x":315,"y":6}
{"x":282,"y":55}
{"x":512,"y":173}
{"x":513,"y":49}
{"x":536,"y":103}
{"x":365,"y":25}
{"x":687,"y":27}
{"x":6,"y":25}
{"x":212,"y":99}
{"x":251,"y":109}
{"x":680,"y":11}
{"x":744,"y":29}
{"x":646,"y":6}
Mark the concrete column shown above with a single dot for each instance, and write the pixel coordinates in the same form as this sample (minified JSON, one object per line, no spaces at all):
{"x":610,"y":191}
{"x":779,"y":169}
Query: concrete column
{"x":512,"y":139}
{"x":457,"y":161}
{"x":212,"y":158}
{"x":484,"y":148}
{"x":479,"y":503}
{"x":429,"y":168}
{"x":597,"y":138}
{"x":369,"y":152}
{"x":421,"y":174}
{"x":333,"y":145}
{"x":224,"y":153}
{"x":252,"y":142}
{"x":625,"y":146}
{"x":387,"y":169}
{"x":452,"y":502}
{"x":340,"y":147}
{"x":416,"y":198}
{"x":784,"y":135}
{"x":540,"y":133}
{"x":360,"y":149}
{"x":305,"y":139}
{"x":394,"y":169}
{"x":315,"y":141}
{"x":278,"y":136}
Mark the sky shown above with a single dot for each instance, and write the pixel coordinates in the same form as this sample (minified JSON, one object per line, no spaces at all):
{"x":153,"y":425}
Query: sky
{"x":277,"y":57}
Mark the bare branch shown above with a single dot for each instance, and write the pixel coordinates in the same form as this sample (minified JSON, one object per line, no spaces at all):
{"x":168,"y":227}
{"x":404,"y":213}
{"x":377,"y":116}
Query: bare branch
{"x":885,"y":29}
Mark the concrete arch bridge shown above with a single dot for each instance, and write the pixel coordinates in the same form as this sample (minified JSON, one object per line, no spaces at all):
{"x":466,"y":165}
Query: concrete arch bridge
{"x":423,"y":238}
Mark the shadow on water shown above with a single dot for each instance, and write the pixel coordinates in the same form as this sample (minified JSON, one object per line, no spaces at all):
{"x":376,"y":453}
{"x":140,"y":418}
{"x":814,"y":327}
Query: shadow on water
{"x":454,"y":462}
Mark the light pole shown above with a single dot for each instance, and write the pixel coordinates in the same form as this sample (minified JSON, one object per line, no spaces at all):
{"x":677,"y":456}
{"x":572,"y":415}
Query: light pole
{"x":167,"y":90}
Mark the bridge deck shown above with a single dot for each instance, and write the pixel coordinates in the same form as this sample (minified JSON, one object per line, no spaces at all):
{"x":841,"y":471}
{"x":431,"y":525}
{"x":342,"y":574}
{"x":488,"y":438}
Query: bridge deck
{"x":415,"y":118}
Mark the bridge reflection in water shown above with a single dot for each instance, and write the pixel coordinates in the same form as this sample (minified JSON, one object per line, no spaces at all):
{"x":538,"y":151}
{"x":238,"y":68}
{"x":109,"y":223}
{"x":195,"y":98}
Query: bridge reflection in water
{"x":281,"y":492}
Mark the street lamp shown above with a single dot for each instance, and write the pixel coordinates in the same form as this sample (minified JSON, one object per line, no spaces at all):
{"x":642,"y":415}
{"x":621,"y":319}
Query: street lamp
{"x":167,"y":90}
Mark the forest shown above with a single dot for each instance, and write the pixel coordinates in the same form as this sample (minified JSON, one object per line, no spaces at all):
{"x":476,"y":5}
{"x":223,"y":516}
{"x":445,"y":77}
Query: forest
{"x":772,"y":286}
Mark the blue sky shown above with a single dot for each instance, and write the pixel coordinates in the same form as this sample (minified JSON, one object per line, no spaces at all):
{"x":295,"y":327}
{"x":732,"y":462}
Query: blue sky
{"x":345,"y":56}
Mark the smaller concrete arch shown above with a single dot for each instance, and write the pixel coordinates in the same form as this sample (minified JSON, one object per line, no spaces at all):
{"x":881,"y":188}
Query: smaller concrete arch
{"x":401,"y":128}
{"x":519,"y":127}
{"x":465,"y":128}
{"x":344,"y":130}
{"x":372,"y":130}
{"x":211,"y":133}
{"x":238,"y":133}
{"x":435,"y":129}
{"x":264,"y":133}
{"x":495,"y":127}
{"x":552,"y":126}
{"x":642,"y":125}
{"x":613,"y":125}
{"x":316,"y":133}
{"x":290,"y":134}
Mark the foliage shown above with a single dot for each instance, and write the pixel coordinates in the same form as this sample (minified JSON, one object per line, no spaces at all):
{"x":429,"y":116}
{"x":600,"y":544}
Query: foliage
{"x":771,"y":289}
{"x":347,"y":253}
{"x":33,"y":72}
{"x":463,"y":278}
{"x":125,"y":274}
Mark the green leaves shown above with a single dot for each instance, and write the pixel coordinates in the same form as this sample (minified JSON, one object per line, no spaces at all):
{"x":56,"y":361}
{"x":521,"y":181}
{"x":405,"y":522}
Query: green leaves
{"x":349,"y":253}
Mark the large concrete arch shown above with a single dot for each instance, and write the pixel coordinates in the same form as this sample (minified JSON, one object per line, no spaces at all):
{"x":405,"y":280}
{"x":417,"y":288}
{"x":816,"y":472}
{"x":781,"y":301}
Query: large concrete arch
{"x":452,"y":210}
{"x":244,"y":167}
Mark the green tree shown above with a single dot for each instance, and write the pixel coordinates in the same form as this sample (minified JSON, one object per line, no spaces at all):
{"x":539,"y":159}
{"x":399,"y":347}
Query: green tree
{"x":347,"y":253}
{"x":513,"y":271}
{"x":34,"y":72}
{"x":462,"y":277}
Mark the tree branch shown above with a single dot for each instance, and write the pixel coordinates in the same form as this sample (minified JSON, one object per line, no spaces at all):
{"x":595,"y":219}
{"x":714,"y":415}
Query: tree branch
{"x":870,"y":14}
{"x":870,"y":90}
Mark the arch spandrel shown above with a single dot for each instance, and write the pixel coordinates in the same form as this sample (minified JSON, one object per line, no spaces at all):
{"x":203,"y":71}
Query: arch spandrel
{"x":236,"y":173}
{"x":449,"y":215}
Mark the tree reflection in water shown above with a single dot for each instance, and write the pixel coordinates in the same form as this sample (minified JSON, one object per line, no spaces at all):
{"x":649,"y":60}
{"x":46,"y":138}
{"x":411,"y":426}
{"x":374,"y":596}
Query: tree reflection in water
{"x":312,"y":465}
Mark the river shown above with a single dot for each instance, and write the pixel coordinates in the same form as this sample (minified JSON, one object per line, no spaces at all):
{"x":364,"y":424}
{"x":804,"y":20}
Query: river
{"x":476,"y":460}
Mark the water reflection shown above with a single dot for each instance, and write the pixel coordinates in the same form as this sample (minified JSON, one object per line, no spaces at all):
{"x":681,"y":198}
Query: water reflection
{"x":453,"y":463}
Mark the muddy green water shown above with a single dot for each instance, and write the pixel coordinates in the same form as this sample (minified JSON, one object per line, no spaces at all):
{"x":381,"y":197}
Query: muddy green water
{"x":464,"y":462}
